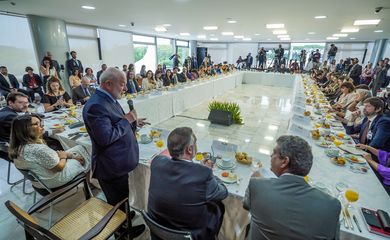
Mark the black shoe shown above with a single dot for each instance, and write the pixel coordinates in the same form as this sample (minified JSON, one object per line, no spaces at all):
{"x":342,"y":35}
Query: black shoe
{"x":132,"y":215}
{"x":137,"y":230}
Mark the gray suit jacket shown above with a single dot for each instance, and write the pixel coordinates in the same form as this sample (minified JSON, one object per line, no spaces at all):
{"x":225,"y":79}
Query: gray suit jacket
{"x":78,"y":94}
{"x":288,"y":208}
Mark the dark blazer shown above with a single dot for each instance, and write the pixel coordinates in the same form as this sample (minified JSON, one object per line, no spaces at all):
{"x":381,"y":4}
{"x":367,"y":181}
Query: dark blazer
{"x":4,"y":85}
{"x":185,"y":196}
{"x":355,"y":72}
{"x":380,"y":129}
{"x":131,"y":89}
{"x":114,"y":147}
{"x":78,"y":94}
{"x":167,"y":81}
{"x":26,"y":79}
{"x":98,"y":76}
{"x":288,"y":208}
{"x":70,"y":64}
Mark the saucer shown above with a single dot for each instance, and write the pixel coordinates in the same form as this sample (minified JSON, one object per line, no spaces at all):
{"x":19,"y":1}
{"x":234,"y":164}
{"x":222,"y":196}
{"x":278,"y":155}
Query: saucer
{"x":219,"y":164}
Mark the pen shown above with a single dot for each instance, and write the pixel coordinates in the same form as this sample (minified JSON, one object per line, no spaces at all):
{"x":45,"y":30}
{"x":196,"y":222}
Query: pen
{"x":357,"y":223}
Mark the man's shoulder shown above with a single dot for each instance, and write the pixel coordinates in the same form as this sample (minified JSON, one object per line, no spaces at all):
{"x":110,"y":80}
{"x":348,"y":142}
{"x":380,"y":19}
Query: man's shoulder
{"x":7,"y":114}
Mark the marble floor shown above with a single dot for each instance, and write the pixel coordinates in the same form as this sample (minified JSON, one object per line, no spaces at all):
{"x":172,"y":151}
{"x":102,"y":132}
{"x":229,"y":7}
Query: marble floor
{"x":265,"y":111}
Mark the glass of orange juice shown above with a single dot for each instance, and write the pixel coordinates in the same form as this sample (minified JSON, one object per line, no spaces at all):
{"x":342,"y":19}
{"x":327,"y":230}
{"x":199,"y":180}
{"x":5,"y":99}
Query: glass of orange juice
{"x":199,"y":156}
{"x":351,"y":196}
{"x":337,"y":142}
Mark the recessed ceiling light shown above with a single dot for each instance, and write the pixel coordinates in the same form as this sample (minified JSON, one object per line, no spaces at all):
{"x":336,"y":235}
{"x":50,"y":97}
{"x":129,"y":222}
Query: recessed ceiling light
{"x":238,"y":36}
{"x":227,"y":33}
{"x":167,"y":25}
{"x":212,"y":35}
{"x":283,"y":36}
{"x":275,"y":25}
{"x":88,"y":7}
{"x":264,"y":151}
{"x":214,"y":39}
{"x":122,"y":25}
{"x":378,"y":31}
{"x":352,"y":38}
{"x":201,"y":36}
{"x":279,"y":32}
{"x":209,"y":28}
{"x":306,"y":39}
{"x":366,"y":22}
{"x":349,"y":30}
{"x":320,"y":17}
{"x":269,"y":39}
{"x":269,"y":138}
{"x":340,"y":35}
{"x":332,"y":38}
{"x":273,"y":127}
{"x":160,"y":29}
{"x":257,"y":34}
{"x":247,"y":39}
{"x":232,"y":21}
{"x":285,"y":39}
{"x":311,"y":33}
{"x":185,"y":34}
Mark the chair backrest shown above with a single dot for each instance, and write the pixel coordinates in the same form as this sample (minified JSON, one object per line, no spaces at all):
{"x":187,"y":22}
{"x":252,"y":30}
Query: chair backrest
{"x":162,"y":232}
{"x":29,"y":223}
{"x":35,"y":179}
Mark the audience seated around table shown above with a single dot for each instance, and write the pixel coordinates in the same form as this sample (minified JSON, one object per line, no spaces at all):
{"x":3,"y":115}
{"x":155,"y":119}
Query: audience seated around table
{"x":375,"y":127}
{"x":148,"y":83}
{"x":74,"y":79}
{"x":383,"y":167}
{"x":159,"y":79}
{"x":83,"y":92}
{"x":184,"y":195}
{"x":33,"y":83}
{"x":30,"y":152}
{"x":132,"y":84}
{"x":56,"y":97}
{"x":89,"y":75}
{"x":17,"y":104}
{"x":287,"y":207}
{"x":168,"y":78}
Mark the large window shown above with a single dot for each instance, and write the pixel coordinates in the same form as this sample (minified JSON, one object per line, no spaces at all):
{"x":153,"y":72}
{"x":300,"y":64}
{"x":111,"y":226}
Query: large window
{"x":182,"y":48}
{"x":309,"y":47}
{"x":164,"y":51}
{"x":144,"y":52}
{"x":16,"y":45}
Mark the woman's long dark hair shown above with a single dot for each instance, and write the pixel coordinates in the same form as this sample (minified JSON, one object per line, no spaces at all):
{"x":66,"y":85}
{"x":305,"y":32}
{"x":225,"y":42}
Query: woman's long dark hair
{"x":22,"y":134}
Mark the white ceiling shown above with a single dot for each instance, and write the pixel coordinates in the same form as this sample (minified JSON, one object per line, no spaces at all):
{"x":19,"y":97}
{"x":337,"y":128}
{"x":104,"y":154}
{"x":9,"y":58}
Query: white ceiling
{"x":191,"y":15}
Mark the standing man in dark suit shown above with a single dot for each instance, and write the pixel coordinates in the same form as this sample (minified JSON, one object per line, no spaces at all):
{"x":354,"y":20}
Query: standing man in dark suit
{"x":114,"y":146}
{"x":99,"y":73}
{"x":355,"y":72}
{"x":249,"y":61}
{"x":184,"y":195}
{"x":9,"y":83}
{"x":287,"y":207}
{"x":74,"y":63}
{"x":375,"y":127}
{"x":83,"y":92}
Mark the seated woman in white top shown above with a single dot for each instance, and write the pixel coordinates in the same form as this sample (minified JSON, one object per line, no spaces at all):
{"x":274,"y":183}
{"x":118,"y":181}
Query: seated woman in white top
{"x":149,"y":83}
{"x":30,"y":152}
{"x":346,"y":98}
{"x":159,"y":80}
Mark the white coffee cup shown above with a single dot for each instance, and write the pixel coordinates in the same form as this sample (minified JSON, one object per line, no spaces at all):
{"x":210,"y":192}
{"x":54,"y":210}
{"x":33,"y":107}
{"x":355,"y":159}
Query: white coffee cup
{"x":226,"y":162}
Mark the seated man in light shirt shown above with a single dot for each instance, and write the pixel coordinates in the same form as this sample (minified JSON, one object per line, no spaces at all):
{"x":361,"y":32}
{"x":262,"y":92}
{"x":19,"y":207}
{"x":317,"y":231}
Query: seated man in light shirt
{"x":184,"y":195}
{"x":287,"y":207}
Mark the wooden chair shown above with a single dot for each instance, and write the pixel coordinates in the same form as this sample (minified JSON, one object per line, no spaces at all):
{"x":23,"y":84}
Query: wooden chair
{"x":94,"y":218}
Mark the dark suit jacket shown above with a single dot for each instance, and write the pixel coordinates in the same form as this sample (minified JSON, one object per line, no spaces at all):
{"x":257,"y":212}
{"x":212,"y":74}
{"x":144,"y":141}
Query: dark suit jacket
{"x":136,"y":86}
{"x":26,"y":79}
{"x":78,"y":94}
{"x":98,"y":76}
{"x":7,"y":115}
{"x":380,"y":129}
{"x":356,"y":71}
{"x":114,"y":147}
{"x":185,"y":196}
{"x":70,"y":64}
{"x":288,"y":208}
{"x":4,"y":85}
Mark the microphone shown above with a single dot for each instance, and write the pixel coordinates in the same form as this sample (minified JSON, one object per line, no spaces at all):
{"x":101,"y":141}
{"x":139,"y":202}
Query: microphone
{"x":131,"y":105}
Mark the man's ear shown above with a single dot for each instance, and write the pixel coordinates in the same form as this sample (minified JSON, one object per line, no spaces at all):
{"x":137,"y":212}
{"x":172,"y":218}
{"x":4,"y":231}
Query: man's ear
{"x":285,"y":162}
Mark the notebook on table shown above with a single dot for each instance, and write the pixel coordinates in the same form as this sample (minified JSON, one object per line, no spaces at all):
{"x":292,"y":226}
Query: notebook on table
{"x":377,"y":222}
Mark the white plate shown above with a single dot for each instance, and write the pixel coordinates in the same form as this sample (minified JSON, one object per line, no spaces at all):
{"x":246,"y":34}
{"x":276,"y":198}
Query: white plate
{"x":227,"y":179}
{"x":219,"y":164}
{"x":360,"y":159}
{"x":321,"y":144}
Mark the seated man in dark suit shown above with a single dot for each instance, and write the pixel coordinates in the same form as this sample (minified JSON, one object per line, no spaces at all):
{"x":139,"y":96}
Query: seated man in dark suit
{"x":9,"y":83}
{"x":375,"y":128}
{"x":287,"y":207}
{"x":17,"y":103}
{"x":99,"y":73}
{"x":184,"y":195}
{"x":83,"y":92}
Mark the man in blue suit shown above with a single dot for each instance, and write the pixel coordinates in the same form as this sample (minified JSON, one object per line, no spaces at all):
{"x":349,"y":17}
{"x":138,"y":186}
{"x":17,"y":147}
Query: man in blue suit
{"x":9,"y":83}
{"x":114,"y":146}
{"x":184,"y":195}
{"x":375,"y":128}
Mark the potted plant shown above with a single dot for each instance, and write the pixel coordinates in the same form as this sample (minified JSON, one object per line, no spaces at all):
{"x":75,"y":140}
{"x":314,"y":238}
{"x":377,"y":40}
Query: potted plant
{"x":225,"y":111}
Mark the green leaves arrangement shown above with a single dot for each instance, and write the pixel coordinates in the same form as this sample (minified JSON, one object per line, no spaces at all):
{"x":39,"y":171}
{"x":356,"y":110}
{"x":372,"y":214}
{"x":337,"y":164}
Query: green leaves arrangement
{"x":234,"y":108}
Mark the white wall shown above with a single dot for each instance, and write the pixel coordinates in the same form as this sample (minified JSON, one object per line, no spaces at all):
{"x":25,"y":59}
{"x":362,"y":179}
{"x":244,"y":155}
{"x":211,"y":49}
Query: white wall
{"x":352,"y":50}
{"x":217,"y":51}
{"x":241,"y":49}
{"x":117,"y":47}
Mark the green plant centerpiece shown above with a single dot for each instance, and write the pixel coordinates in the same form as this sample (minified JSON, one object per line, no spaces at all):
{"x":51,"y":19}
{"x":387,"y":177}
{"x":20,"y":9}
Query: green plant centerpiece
{"x":231,"y":107}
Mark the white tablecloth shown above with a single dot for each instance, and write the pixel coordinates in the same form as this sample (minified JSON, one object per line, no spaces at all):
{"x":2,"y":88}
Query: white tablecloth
{"x":161,"y":107}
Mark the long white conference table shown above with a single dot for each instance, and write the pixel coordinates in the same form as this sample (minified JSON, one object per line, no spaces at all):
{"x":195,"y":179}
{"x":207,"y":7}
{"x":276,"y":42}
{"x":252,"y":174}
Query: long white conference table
{"x":158,"y":108}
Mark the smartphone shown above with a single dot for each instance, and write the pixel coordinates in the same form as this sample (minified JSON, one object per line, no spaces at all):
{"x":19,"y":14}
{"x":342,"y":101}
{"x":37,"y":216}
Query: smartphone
{"x":371,"y":218}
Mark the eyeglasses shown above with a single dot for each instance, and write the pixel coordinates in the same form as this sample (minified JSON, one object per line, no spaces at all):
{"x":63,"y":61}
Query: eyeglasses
{"x":38,"y":124}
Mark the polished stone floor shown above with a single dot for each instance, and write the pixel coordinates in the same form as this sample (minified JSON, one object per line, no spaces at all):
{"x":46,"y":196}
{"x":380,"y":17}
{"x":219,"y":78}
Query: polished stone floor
{"x":265,"y":111}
